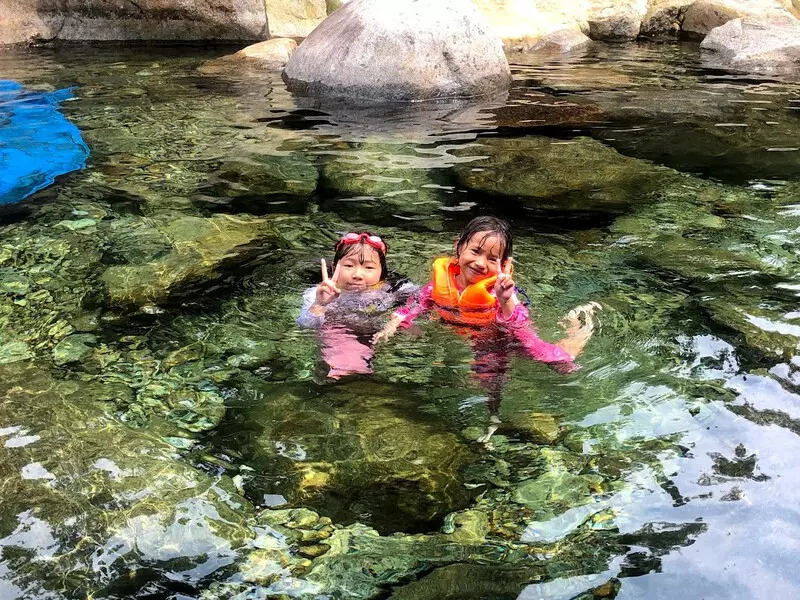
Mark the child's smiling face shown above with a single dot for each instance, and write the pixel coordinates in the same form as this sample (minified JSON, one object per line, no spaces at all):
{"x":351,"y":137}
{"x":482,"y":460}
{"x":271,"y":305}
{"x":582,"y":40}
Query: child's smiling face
{"x":479,"y":257}
{"x":359,"y":268}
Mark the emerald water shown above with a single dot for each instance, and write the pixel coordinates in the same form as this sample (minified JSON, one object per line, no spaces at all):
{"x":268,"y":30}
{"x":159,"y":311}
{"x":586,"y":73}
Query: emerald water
{"x":163,"y":432}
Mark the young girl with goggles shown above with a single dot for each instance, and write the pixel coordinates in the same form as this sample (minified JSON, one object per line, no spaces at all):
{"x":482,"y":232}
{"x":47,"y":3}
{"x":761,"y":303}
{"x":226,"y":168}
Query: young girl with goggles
{"x":349,"y":305}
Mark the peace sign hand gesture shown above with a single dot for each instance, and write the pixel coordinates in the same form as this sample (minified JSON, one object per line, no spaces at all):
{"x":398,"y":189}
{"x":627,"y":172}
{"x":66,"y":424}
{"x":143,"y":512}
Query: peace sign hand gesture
{"x":504,"y":289}
{"x":327,"y":291}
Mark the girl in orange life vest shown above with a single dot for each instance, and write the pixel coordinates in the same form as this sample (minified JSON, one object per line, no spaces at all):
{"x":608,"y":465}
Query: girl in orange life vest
{"x":476,"y":290}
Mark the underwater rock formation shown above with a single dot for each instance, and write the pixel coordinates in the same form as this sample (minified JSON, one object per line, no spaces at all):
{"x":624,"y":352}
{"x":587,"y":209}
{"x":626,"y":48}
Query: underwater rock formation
{"x":202,"y":250}
{"x":262,"y":179}
{"x":383,"y":50}
{"x":83,"y":493}
{"x":534,"y":169}
{"x":359,"y":455}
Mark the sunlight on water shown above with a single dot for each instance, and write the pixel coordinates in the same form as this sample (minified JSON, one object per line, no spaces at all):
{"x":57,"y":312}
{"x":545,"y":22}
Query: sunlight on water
{"x":166,"y":430}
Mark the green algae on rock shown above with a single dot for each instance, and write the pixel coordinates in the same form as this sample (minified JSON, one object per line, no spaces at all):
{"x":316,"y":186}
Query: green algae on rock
{"x":202,"y":250}
{"x":103,"y":496}
{"x":268,"y":179}
{"x":379,"y":182}
{"x":578,"y":174}
{"x":357,"y":454}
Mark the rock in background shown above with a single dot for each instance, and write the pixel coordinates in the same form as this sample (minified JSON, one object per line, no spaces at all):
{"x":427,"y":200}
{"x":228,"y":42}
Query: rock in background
{"x":388,"y":51}
{"x":756,"y":45}
{"x":519,"y":23}
{"x":271,"y":55}
{"x":294,"y":18}
{"x":167,"y":20}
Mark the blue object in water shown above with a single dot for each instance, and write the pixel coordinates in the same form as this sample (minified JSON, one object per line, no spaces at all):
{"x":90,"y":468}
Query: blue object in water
{"x":37,"y":143}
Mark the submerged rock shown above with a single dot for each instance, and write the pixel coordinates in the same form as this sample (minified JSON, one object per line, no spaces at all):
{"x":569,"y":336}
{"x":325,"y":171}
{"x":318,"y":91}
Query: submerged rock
{"x":264,"y":179}
{"x":382,"y":50}
{"x":758,"y":326}
{"x":73,"y":348}
{"x":539,"y":428}
{"x":202,"y":250}
{"x":557,"y":491}
{"x":379,"y":183}
{"x":393,"y":559}
{"x":471,"y":582}
{"x":357,"y":456}
{"x":545,"y":110}
{"x":547,"y":173}
{"x":73,"y":472}
{"x":756,"y":45}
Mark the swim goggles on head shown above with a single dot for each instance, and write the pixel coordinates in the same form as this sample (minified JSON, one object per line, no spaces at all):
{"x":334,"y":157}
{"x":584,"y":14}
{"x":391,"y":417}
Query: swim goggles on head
{"x":356,"y":238}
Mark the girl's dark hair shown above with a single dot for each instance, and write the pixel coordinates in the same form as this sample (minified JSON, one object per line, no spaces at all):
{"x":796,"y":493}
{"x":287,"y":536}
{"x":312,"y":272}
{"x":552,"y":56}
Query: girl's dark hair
{"x":488,"y":226}
{"x":341,"y":250}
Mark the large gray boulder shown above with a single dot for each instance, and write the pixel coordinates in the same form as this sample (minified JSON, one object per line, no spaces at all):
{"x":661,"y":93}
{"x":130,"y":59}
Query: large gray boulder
{"x":758,"y":45}
{"x":400,"y":50}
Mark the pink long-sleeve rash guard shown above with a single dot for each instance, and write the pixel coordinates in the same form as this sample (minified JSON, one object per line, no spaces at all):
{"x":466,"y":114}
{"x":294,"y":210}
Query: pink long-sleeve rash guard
{"x":518,"y":324}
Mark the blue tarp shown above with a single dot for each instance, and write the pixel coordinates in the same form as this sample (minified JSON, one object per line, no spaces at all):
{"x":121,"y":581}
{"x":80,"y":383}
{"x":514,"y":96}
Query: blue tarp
{"x":37,"y":143}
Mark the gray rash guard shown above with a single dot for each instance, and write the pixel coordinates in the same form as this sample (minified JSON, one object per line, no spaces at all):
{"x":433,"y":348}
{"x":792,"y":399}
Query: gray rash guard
{"x":362,"y":312}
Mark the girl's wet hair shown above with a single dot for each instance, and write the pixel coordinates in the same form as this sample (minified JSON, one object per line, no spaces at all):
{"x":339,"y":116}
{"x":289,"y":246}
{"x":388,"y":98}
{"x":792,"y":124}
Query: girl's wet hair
{"x":343,"y":250}
{"x":488,"y":226}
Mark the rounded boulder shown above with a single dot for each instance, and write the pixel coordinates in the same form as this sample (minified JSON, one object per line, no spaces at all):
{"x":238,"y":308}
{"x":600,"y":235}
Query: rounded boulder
{"x":400,"y":51}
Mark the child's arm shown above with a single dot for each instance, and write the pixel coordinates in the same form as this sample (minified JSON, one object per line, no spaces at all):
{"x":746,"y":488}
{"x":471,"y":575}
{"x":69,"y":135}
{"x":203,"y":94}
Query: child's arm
{"x":404,"y":316}
{"x":311,"y":317}
{"x":562,"y":352}
{"x":520,"y":326}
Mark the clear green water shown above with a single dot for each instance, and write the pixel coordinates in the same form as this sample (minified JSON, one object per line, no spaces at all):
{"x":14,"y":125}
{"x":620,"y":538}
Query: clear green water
{"x":158,"y":403}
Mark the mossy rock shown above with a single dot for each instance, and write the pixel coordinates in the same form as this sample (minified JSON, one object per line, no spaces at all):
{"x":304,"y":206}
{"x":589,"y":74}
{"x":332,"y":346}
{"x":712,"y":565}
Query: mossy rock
{"x":379,"y":183}
{"x":696,"y":259}
{"x":576,"y":174}
{"x":74,"y":472}
{"x":202,"y":251}
{"x":358,"y":455}
{"x":556,"y":491}
{"x":267,"y":182}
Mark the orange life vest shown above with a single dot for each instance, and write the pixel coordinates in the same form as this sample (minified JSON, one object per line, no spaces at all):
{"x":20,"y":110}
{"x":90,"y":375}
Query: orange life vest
{"x":476,"y":305}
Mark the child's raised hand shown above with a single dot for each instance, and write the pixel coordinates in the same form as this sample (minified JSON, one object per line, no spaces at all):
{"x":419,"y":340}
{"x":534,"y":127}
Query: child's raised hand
{"x":504,"y":288}
{"x":327,"y":290}
{"x":579,"y":330}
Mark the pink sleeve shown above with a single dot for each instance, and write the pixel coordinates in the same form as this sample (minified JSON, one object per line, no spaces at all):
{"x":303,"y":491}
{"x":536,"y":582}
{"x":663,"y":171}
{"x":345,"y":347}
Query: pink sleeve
{"x":520,"y":326}
{"x":417,"y":304}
